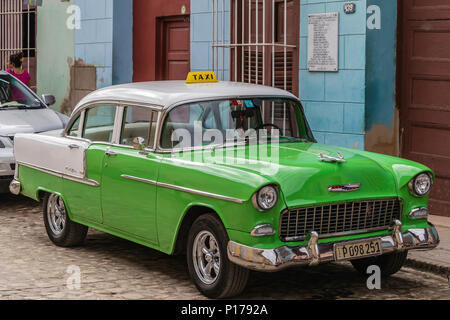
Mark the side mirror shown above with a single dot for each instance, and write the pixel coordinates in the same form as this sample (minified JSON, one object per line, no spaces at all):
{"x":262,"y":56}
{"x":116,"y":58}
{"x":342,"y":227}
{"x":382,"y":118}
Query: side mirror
{"x":138,"y":143}
{"x":48,"y":99}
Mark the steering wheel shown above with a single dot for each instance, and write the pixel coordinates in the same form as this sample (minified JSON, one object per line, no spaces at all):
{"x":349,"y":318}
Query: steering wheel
{"x":268,"y":125}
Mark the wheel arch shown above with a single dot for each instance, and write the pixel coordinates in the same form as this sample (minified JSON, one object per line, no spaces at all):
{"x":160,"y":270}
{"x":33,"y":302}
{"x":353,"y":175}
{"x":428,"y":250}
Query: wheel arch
{"x":40,"y":195}
{"x":191,"y":214}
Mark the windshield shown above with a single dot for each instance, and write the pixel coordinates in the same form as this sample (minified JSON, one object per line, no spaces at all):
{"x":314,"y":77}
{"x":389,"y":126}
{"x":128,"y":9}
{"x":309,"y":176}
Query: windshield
{"x":14,"y":94}
{"x":234,"y":121}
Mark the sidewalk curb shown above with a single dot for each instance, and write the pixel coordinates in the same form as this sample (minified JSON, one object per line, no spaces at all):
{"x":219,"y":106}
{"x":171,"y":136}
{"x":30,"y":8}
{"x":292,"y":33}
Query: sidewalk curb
{"x":429,"y":267}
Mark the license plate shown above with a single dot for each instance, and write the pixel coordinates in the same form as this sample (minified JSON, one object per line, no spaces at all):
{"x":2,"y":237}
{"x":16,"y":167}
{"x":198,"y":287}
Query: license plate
{"x":357,"y":249}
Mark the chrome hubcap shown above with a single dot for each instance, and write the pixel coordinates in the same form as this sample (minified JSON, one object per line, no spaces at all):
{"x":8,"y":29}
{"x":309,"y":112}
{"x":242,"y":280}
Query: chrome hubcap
{"x":206,"y":257}
{"x":56,"y":214}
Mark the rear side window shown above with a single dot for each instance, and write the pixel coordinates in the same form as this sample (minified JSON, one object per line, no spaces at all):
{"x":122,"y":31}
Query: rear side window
{"x":99,"y":123}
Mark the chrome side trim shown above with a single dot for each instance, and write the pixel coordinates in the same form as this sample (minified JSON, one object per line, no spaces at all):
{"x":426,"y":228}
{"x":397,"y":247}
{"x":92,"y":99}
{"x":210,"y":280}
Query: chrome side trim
{"x":183,"y":189}
{"x":86,"y":181}
{"x":152,"y":182}
{"x":270,"y":260}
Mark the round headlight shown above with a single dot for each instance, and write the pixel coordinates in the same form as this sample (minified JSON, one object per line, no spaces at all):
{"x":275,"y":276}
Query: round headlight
{"x":421,"y":185}
{"x":266,"y":198}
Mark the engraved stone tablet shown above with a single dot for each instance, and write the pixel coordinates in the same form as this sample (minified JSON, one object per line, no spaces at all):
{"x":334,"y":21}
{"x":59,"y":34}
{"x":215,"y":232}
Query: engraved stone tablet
{"x":323,"y":42}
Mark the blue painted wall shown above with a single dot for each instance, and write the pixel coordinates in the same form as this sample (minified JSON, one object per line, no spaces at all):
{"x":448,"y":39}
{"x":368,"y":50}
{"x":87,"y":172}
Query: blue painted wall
{"x":334,"y":102}
{"x":122,"y":55}
{"x":381,"y":66}
{"x":201,"y":38}
{"x":93,"y":42}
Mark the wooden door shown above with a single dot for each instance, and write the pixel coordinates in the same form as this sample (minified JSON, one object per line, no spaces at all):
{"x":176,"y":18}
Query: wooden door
{"x":425,"y":95}
{"x":174,"y":59}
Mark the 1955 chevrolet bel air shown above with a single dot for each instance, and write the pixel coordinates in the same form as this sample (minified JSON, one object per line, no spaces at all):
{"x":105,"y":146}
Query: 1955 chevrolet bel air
{"x":228,"y":174}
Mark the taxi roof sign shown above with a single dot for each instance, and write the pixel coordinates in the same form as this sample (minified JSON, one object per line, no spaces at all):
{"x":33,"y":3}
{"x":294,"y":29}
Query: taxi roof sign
{"x":201,"y":77}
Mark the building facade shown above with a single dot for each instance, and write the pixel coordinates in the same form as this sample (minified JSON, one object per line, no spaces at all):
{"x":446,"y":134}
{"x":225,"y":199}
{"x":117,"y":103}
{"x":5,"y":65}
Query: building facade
{"x":387,"y":89}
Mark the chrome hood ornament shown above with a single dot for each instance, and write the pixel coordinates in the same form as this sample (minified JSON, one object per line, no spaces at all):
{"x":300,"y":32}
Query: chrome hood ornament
{"x":326,"y":158}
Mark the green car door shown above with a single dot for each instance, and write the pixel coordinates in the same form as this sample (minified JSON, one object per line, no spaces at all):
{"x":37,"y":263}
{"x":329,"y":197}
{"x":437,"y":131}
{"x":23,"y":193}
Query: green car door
{"x":129,"y":178}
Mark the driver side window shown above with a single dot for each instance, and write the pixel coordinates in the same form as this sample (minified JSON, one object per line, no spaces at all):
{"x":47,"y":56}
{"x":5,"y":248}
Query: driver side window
{"x":99,"y":123}
{"x":138,"y":122}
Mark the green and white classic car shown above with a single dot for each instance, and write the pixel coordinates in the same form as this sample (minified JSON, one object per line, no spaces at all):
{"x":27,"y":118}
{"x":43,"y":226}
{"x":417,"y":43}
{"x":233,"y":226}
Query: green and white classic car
{"x":228,"y":174}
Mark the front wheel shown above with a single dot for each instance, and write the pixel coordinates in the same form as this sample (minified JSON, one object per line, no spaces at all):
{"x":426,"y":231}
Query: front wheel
{"x":61,"y":230}
{"x":213,"y":274}
{"x":389,"y":263}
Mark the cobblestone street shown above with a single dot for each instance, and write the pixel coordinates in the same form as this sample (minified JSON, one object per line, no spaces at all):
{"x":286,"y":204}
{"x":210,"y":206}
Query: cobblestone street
{"x":31,"y":267}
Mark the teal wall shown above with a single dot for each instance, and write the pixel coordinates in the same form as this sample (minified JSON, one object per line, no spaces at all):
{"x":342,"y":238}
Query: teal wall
{"x":381,"y":114}
{"x":93,"y":42}
{"x":334,"y":102}
{"x":55,"y":51}
{"x":381,"y":66}
{"x":122,"y":54}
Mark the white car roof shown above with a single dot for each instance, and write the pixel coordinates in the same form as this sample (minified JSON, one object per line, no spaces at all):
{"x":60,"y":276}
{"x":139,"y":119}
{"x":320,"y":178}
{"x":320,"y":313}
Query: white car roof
{"x":167,"y":93}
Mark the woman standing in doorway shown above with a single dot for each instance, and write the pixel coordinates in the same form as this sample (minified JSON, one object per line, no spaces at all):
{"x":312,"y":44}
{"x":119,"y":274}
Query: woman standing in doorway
{"x":15,"y":68}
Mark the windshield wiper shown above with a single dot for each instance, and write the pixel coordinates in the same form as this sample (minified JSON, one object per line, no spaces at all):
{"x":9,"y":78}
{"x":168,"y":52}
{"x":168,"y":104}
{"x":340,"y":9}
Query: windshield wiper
{"x":21,"y":106}
{"x":12,"y":104}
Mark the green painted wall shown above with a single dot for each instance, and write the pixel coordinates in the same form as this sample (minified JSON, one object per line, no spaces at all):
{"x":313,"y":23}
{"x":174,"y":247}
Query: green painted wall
{"x":55,"y":50}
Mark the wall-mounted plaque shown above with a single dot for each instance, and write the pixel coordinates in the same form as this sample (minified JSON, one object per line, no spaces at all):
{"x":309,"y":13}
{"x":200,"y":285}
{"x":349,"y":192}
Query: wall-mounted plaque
{"x":323,"y":42}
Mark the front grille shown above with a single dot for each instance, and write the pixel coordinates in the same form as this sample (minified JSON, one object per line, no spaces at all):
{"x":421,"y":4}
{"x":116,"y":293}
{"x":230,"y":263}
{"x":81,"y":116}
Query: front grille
{"x":339,"y":218}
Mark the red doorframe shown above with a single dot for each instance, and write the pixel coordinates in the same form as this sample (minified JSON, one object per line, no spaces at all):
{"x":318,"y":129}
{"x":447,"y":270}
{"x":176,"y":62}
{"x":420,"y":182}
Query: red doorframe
{"x":145,"y":45}
{"x":165,"y":55}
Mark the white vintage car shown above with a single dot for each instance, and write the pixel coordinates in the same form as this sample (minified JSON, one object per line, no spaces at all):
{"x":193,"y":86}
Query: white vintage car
{"x":21,"y":111}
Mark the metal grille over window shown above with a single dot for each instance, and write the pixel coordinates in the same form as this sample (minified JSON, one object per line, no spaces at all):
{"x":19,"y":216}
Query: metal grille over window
{"x":18,"y":34}
{"x":264,"y":41}
{"x":339,"y":219}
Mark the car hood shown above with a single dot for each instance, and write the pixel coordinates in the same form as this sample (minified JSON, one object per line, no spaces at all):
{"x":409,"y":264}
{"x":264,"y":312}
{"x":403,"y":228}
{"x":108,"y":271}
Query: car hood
{"x":28,"y":121}
{"x":304,"y":179}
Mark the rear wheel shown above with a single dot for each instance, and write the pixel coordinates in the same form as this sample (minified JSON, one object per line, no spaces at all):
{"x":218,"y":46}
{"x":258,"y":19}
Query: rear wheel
{"x":213,"y":274}
{"x":389,"y":263}
{"x":60,"y":229}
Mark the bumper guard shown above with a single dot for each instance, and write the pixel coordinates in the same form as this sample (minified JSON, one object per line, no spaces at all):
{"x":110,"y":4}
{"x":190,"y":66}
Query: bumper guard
{"x":270,"y":260}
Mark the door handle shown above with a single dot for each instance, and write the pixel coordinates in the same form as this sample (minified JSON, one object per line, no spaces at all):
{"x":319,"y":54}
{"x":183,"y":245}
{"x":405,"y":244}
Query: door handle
{"x":110,"y":153}
{"x":73,"y":146}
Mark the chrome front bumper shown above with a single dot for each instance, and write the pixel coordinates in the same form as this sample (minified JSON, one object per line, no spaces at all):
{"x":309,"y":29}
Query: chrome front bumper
{"x":270,"y":260}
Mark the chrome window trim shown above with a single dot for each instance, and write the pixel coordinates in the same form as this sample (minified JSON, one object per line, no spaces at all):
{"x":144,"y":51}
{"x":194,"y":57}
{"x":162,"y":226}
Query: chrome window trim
{"x":86,"y":181}
{"x":183,"y":189}
{"x":117,"y":128}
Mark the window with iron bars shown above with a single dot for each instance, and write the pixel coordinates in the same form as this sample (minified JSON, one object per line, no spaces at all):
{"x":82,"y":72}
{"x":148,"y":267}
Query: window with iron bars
{"x":264,"y":41}
{"x":18,"y":34}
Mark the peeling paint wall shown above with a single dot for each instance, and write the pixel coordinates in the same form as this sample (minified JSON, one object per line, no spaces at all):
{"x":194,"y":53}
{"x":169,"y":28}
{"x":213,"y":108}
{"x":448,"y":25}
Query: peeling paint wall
{"x":381,"y":112}
{"x":55,"y":51}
